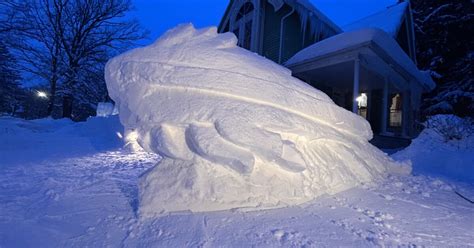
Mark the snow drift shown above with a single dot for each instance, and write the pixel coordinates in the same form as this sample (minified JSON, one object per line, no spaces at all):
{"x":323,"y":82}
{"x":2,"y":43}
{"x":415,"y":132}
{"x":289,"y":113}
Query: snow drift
{"x":235,"y":129}
{"x":445,"y":148}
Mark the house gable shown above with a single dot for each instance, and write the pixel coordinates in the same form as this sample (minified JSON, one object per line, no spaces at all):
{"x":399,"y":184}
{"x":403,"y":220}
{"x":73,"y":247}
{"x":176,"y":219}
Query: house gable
{"x":397,"y":21}
{"x":276,"y":29}
{"x":243,"y":18}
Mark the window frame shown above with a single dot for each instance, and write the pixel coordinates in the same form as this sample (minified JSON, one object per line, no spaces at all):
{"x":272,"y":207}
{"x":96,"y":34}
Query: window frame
{"x":240,"y":27}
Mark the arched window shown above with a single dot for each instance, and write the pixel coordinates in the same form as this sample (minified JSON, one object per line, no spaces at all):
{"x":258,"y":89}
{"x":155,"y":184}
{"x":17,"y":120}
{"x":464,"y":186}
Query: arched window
{"x":242,"y":27}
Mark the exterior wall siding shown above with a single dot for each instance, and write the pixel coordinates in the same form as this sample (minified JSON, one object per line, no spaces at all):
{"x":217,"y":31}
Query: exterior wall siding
{"x":402,"y":38}
{"x":271,"y":37}
{"x":293,"y":37}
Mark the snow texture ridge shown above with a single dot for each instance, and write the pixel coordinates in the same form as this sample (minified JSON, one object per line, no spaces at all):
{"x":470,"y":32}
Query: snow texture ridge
{"x":235,"y":129}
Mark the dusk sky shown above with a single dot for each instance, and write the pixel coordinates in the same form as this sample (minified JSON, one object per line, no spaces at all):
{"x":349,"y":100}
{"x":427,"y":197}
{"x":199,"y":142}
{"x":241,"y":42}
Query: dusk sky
{"x":161,"y":15}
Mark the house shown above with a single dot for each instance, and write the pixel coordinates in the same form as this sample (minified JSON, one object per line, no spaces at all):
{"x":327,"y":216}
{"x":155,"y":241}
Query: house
{"x":368,"y":67}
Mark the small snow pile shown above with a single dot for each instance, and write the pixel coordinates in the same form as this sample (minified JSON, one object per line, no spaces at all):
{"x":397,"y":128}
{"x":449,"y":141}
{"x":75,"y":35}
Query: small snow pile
{"x":105,"y":109}
{"x":445,"y":148}
{"x":235,"y":129}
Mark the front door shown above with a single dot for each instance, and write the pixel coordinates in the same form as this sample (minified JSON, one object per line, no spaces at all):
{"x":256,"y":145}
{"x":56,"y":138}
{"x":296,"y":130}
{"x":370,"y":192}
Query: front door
{"x":376,"y":107}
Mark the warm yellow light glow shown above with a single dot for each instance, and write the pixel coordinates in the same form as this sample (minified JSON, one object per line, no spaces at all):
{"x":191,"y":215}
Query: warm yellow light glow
{"x":362,"y":100}
{"x":131,"y":141}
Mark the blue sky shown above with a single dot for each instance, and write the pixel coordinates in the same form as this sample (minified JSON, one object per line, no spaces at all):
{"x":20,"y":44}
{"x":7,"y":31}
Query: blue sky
{"x":161,"y":15}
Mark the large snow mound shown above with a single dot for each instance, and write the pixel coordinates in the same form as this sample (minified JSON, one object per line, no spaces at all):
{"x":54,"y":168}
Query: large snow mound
{"x":235,"y":129}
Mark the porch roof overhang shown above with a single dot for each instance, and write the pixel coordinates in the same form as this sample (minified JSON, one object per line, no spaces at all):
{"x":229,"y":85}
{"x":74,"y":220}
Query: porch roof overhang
{"x":375,"y":48}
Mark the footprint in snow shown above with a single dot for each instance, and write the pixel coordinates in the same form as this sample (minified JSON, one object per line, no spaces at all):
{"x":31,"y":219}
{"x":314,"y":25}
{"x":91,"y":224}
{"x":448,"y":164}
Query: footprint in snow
{"x":293,"y":237}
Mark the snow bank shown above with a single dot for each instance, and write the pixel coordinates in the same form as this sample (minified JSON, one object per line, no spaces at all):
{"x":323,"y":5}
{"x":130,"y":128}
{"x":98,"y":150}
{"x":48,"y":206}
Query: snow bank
{"x":235,"y":129}
{"x":33,"y":141}
{"x":444,"y":149}
{"x":105,"y":109}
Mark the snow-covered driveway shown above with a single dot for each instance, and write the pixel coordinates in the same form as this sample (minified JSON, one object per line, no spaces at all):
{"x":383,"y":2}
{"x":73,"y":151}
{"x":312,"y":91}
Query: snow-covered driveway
{"x":79,"y":189}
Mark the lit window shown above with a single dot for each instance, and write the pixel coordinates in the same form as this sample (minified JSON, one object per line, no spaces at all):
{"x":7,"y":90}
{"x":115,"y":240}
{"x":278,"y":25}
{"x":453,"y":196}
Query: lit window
{"x":362,"y":100}
{"x":362,"y":105}
{"x":396,"y":111}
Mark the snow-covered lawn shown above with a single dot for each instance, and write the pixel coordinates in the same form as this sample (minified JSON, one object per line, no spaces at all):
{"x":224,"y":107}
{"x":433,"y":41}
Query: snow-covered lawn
{"x":65,"y":184}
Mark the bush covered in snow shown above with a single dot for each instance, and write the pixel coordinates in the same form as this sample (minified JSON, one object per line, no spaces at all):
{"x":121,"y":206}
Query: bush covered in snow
{"x":451,"y":127}
{"x":444,"y":148}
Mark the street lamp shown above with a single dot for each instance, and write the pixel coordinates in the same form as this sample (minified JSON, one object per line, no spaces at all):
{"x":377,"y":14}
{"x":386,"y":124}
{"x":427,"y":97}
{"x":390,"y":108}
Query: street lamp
{"x":41,"y":94}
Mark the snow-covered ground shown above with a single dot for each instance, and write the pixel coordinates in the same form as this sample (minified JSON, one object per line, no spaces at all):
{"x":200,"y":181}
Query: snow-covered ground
{"x":65,"y":184}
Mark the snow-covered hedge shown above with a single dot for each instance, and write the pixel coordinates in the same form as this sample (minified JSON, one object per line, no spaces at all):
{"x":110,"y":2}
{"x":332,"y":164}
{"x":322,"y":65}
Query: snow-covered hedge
{"x":444,"y":148}
{"x":451,"y":127}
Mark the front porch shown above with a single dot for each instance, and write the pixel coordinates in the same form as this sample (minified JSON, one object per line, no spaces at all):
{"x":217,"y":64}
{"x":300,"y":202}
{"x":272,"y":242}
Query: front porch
{"x":355,"y":85}
{"x":365,"y":78}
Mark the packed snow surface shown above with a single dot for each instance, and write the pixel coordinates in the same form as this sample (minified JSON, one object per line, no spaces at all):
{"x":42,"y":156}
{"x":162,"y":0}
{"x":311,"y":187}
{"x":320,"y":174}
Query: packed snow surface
{"x":66,"y":184}
{"x":235,"y":129}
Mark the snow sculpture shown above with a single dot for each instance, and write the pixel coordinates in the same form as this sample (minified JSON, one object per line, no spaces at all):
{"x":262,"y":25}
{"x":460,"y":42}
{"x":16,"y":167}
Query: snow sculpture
{"x":235,"y":129}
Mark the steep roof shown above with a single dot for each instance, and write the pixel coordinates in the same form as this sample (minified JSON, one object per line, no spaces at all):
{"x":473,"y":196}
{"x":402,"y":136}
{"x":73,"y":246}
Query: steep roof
{"x":389,"y":20}
{"x":363,"y":37}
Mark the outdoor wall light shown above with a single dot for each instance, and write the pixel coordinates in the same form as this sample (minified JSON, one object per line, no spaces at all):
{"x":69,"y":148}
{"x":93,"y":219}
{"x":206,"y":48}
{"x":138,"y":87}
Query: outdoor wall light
{"x":362,"y":100}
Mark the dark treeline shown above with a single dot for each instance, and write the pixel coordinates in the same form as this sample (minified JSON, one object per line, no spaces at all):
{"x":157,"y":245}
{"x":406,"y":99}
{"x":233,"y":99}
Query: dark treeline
{"x":63,"y":45}
{"x":444,"y":30}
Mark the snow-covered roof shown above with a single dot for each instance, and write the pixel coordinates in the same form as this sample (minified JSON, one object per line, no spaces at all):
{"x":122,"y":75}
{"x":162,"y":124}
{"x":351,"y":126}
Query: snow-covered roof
{"x":356,"y":39}
{"x":388,"y":20}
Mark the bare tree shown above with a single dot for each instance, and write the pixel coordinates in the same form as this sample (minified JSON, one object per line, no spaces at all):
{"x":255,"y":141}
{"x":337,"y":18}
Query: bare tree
{"x":67,"y":43}
{"x":9,"y":11}
{"x":90,"y":32}
{"x":36,"y":43}
{"x":10,"y":91}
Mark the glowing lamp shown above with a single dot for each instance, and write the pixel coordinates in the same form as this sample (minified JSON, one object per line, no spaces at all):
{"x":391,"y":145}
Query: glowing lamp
{"x":41,"y":94}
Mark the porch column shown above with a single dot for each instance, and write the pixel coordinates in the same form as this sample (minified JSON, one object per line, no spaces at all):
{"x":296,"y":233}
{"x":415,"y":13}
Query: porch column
{"x":384,"y":106}
{"x":405,"y":112}
{"x":355,"y":90}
